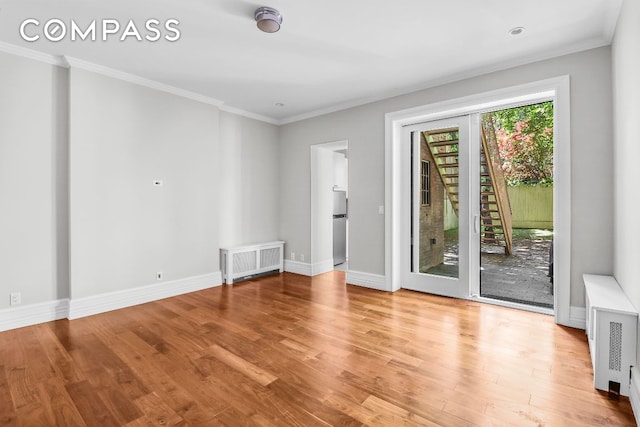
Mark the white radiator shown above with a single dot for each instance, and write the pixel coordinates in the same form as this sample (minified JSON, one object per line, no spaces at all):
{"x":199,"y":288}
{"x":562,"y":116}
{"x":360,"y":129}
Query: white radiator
{"x":244,"y":262}
{"x":611,"y":330}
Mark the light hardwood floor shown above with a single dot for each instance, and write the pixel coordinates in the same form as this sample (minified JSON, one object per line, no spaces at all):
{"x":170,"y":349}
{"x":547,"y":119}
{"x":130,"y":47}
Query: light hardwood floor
{"x":289,"y":350}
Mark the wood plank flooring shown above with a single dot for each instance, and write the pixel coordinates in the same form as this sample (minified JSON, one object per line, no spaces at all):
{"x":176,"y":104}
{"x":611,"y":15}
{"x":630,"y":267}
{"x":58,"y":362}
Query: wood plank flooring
{"x":289,"y":350}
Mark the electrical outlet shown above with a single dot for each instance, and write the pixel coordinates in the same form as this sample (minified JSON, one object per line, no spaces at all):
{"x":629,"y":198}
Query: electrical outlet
{"x":293,"y":256}
{"x":15,"y":298}
{"x":301,"y":257}
{"x":159,"y":275}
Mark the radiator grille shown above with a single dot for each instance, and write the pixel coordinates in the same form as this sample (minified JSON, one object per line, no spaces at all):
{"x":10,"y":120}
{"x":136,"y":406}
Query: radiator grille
{"x":270,"y":257}
{"x":244,"y":261}
{"x":615,"y":346}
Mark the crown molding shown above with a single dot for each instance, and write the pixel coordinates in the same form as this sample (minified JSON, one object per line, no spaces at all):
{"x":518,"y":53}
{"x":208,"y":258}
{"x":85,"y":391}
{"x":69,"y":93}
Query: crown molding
{"x":472,"y":73}
{"x":611,"y":20}
{"x":141,"y":81}
{"x":250,"y":115}
{"x":32,"y":54}
{"x":68,"y":62}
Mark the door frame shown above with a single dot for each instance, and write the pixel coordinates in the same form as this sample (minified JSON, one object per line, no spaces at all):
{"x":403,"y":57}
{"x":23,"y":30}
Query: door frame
{"x":319,"y":257}
{"x":556,"y":89}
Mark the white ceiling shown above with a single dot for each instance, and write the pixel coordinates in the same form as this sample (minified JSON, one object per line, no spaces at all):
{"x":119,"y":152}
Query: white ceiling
{"x":328,"y":54}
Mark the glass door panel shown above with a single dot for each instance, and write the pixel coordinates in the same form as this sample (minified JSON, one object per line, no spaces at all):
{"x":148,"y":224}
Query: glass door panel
{"x":437,"y":181}
{"x":436,"y":208}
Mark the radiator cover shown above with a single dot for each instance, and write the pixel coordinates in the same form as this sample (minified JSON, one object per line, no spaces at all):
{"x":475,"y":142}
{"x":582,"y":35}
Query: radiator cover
{"x":243,"y":262}
{"x":611,"y":330}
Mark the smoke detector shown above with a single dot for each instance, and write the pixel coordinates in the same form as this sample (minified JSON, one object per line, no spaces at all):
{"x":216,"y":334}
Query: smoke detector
{"x":268,"y":19}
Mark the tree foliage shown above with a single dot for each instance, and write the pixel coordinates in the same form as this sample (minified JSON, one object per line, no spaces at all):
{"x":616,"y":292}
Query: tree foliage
{"x":525,"y":142}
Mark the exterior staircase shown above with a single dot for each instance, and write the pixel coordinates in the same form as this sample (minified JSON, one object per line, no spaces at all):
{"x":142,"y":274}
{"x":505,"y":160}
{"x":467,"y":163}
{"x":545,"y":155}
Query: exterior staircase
{"x":444,"y":149}
{"x":495,"y":209}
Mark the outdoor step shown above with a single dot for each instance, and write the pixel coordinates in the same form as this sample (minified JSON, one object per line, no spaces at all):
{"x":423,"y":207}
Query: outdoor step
{"x":491,"y":240}
{"x":487,"y":193}
{"x":448,"y":165}
{"x":450,"y":175}
{"x":450,"y":154}
{"x":494,"y":241}
{"x":444,"y":143}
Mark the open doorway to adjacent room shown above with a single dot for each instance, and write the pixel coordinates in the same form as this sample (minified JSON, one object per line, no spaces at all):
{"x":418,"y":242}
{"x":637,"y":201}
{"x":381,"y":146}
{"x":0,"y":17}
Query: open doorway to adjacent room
{"x":329,"y":207}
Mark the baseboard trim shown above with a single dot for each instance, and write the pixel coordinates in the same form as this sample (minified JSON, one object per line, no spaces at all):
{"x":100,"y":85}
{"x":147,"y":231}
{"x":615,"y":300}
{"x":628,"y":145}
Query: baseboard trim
{"x":577,"y":317}
{"x":367,"y":280}
{"x":298,"y":267}
{"x":102,"y":303}
{"x":634,"y":393}
{"x":28,"y":315}
{"x":322,"y":267}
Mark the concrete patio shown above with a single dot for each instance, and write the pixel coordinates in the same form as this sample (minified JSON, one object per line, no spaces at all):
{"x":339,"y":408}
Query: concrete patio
{"x":523,"y":276}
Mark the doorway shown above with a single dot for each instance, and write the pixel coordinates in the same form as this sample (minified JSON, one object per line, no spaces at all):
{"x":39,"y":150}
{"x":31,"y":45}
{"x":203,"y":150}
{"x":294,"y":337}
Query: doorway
{"x":399,"y":247}
{"x":329,"y":207}
{"x":516,"y":204}
{"x":510,"y":151}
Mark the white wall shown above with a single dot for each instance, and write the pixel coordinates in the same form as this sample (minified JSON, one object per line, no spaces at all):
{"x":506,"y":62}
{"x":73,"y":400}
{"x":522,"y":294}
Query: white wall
{"x":123,"y":229}
{"x":32,"y":185}
{"x":363,"y":126}
{"x":78,"y":154}
{"x":249,"y":165}
{"x":626,"y":91}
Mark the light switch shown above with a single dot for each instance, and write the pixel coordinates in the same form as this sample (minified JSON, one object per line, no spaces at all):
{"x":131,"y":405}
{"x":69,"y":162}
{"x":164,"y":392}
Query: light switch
{"x":381,"y":209}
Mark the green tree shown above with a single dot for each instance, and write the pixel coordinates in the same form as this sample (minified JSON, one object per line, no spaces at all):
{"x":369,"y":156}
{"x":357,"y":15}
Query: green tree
{"x":525,"y":142}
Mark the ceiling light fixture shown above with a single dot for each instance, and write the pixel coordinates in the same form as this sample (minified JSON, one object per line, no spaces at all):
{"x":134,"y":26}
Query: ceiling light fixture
{"x":516,"y":31}
{"x":268,"y":19}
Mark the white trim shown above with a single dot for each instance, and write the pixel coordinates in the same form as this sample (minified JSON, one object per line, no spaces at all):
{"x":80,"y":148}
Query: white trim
{"x":555,"y":88}
{"x":95,"y":304}
{"x":367,"y":280}
{"x":248,"y":114}
{"x":322,"y":267}
{"x":28,"y":315}
{"x":141,"y":81}
{"x":67,"y":62}
{"x":32,"y":54}
{"x":510,"y":304}
{"x":634,"y":393}
{"x":298,"y":267}
{"x":451,"y":78}
{"x":577,"y":317}
{"x":611,"y":19}
{"x":316,"y":218}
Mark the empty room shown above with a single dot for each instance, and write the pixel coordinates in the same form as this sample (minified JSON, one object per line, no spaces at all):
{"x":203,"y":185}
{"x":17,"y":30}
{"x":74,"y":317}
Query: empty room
{"x":319,"y":213}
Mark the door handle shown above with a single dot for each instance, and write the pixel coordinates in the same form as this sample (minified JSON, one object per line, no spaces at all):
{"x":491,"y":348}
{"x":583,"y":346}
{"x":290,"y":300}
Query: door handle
{"x":476,"y":223}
